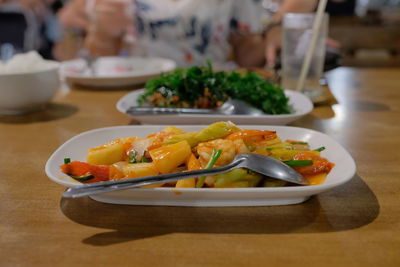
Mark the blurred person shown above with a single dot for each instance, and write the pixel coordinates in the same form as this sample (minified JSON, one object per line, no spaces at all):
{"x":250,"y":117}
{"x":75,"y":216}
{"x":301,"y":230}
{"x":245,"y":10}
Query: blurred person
{"x":187,"y":31}
{"x":31,"y":22}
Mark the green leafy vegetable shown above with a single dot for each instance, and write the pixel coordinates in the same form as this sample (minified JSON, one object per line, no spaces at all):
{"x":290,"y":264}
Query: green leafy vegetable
{"x":201,"y":87}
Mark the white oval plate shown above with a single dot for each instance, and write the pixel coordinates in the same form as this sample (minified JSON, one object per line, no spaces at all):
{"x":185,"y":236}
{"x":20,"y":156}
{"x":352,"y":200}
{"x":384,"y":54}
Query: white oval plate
{"x":300,"y":103}
{"x":76,"y":148}
{"x":115,"y":71}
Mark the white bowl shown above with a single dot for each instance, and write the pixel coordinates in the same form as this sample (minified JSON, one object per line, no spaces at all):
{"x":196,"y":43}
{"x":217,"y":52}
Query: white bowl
{"x":24,"y":92}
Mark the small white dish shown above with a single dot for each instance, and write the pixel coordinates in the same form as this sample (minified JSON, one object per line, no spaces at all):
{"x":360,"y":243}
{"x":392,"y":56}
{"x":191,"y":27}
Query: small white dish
{"x":301,"y":104}
{"x":27,"y":91}
{"x":114,"y":71}
{"x":76,"y":148}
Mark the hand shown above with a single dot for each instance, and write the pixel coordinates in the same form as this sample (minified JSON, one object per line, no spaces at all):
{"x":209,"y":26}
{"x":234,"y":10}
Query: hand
{"x":111,"y":17}
{"x":110,"y":22}
{"x":273,"y":44}
{"x":74,"y":15}
{"x":333,"y":43}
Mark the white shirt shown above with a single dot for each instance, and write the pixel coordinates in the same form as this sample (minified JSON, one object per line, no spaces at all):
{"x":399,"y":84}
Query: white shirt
{"x":193,"y":31}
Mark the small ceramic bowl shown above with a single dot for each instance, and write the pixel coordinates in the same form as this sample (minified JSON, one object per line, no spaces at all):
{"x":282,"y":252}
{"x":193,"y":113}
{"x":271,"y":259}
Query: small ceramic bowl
{"x":26,"y":92}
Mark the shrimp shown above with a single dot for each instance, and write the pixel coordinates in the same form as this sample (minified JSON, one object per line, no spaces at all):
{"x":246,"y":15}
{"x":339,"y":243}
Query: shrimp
{"x":240,"y":146}
{"x":253,"y":138}
{"x":158,"y":139}
{"x":228,"y":151}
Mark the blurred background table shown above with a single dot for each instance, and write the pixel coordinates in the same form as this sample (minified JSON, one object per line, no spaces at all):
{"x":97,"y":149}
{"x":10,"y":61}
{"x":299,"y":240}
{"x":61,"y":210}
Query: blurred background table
{"x":356,"y":224}
{"x":367,"y":42}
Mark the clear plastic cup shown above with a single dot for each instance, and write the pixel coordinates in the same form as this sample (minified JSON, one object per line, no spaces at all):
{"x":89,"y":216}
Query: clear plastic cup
{"x":297,"y":31}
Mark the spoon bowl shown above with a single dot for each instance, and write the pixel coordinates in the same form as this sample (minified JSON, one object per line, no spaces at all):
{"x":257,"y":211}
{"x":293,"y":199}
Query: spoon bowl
{"x":230,"y":107}
{"x":258,"y":163}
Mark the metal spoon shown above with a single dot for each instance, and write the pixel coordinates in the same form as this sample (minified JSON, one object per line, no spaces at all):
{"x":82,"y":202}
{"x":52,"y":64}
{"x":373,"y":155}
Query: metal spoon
{"x":90,"y":61}
{"x":258,"y":163}
{"x":230,"y":107}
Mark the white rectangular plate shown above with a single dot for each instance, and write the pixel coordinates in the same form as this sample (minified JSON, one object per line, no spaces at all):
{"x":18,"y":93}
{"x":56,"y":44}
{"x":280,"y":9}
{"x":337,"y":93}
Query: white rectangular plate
{"x":301,"y":104}
{"x":76,"y":149}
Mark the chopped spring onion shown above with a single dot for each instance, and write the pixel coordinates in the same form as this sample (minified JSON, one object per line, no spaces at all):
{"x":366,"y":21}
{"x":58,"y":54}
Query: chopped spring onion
{"x":132,"y":157}
{"x":279,"y":147}
{"x":214,"y":157}
{"x":251,"y":172}
{"x":298,"y":143}
{"x":144,"y":159}
{"x":67,"y":160}
{"x":298,"y":163}
{"x":82,"y":178}
{"x":322,"y":148}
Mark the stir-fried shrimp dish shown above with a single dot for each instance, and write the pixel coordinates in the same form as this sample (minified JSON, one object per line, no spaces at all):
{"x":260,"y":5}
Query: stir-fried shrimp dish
{"x":174,"y":150}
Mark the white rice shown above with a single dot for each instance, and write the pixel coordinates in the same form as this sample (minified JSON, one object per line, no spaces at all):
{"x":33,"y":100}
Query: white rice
{"x":25,"y":62}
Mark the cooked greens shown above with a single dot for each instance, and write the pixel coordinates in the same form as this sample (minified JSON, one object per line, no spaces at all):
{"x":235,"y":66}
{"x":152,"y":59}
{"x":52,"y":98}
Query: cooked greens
{"x":201,"y":87}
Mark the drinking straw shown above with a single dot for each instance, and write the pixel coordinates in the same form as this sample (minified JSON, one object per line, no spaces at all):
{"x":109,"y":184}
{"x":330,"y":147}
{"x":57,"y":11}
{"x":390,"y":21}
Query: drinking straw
{"x":311,"y":47}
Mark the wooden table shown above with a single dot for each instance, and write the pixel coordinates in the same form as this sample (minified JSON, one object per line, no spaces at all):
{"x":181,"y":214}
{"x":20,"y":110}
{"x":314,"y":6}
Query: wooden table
{"x":357,"y":224}
{"x":367,"y":42}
